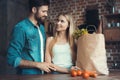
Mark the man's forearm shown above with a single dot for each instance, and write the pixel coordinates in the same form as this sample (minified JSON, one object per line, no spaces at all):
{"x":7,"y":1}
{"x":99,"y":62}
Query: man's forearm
{"x":47,"y":67}
{"x":28,"y":64}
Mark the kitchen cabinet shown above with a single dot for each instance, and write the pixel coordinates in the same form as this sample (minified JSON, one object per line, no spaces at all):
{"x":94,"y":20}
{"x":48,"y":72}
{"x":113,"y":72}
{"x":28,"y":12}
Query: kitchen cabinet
{"x":112,"y":27}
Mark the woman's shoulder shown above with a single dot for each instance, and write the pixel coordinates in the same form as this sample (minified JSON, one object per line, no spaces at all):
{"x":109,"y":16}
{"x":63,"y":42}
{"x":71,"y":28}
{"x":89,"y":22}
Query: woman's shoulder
{"x":49,"y":39}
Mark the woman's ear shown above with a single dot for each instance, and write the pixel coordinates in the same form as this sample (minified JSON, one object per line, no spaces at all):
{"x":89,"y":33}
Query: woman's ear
{"x":34,"y":9}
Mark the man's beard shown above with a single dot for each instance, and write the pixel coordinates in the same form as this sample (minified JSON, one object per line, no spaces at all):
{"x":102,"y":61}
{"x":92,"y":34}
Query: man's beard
{"x":40,"y":20}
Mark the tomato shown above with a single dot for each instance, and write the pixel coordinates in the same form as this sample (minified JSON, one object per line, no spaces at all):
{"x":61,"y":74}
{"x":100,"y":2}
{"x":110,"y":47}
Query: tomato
{"x":79,"y":72}
{"x":73,"y":73}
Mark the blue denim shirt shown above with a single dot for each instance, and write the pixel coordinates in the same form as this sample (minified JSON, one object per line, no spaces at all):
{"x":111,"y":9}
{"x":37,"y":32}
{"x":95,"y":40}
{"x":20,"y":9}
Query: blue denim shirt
{"x":25,"y":44}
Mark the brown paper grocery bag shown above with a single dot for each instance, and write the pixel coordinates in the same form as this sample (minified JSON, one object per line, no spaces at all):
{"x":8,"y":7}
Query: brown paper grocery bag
{"x":91,"y":53}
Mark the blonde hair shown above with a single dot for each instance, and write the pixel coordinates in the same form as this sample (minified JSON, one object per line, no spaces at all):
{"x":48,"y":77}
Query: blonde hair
{"x":69,"y":33}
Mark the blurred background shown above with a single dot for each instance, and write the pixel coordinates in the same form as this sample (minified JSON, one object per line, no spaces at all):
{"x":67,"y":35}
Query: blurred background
{"x":83,"y":11}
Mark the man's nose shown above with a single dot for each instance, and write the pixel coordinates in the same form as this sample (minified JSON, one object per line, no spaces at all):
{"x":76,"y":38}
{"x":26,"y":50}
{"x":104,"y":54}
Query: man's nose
{"x":46,"y":14}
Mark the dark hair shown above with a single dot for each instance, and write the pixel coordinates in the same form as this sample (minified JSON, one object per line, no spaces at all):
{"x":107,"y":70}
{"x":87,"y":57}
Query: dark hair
{"x":37,"y":3}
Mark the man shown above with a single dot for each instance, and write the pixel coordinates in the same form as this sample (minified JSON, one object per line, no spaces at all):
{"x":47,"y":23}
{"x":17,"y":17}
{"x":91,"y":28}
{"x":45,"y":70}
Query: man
{"x":26,"y":48}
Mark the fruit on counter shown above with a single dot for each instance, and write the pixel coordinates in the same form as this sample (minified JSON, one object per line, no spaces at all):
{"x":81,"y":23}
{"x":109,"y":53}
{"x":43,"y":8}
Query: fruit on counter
{"x":90,"y":73}
{"x":79,"y":72}
{"x":73,"y":73}
{"x":85,"y":74}
{"x":94,"y":75}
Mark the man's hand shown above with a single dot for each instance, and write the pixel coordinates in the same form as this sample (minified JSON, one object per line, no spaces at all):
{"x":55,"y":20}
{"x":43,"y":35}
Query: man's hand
{"x":47,"y":67}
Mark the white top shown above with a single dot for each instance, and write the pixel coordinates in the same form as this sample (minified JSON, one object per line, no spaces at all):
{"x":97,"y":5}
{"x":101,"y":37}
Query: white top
{"x":42,"y":46}
{"x":62,"y":55}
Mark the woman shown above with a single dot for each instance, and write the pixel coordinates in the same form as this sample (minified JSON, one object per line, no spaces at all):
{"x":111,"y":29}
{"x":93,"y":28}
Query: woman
{"x":60,"y":48}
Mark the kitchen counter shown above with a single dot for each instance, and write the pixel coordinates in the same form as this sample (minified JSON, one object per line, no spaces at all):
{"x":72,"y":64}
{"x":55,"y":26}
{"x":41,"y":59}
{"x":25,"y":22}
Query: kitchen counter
{"x":114,"y":75}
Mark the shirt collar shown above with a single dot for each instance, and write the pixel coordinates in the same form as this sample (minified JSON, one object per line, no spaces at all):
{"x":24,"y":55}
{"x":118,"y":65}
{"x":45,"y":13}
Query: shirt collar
{"x":32,"y":23}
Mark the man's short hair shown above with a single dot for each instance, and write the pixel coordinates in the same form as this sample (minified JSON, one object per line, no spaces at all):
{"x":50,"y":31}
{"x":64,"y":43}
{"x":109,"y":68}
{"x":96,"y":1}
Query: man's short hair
{"x":37,"y":3}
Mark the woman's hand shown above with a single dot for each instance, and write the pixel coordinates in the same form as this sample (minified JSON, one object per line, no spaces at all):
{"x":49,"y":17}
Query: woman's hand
{"x":47,"y":67}
{"x":75,"y":67}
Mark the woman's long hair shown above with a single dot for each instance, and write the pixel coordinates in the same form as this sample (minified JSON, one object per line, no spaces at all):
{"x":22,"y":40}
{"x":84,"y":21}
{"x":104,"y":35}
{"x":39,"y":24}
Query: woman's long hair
{"x":69,"y":34}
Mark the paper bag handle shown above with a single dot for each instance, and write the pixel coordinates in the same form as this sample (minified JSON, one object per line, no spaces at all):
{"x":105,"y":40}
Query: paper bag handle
{"x":91,"y":26}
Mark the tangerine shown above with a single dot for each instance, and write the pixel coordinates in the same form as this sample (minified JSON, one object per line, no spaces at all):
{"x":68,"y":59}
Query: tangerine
{"x":73,"y":73}
{"x":79,"y":72}
{"x":94,"y":75}
{"x":85,"y":75}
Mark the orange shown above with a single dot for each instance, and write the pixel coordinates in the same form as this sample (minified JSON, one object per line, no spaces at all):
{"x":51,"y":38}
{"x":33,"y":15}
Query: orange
{"x":79,"y":72}
{"x":73,"y":73}
{"x":85,"y":74}
{"x":94,"y":75}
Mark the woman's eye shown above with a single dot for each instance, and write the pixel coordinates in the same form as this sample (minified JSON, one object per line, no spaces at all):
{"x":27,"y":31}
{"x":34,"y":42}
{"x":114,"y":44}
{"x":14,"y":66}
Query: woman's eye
{"x":56,"y":20}
{"x":62,"y":21}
